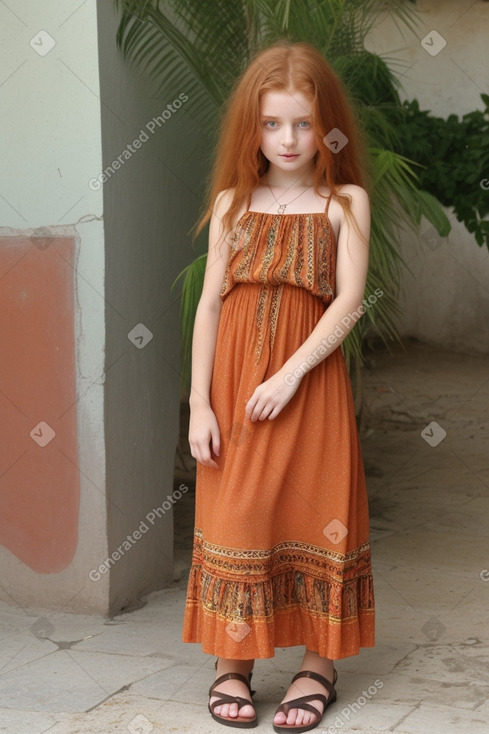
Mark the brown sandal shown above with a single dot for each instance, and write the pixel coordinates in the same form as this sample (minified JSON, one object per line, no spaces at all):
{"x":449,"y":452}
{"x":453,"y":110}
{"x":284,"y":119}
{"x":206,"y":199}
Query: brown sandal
{"x":243,"y":722}
{"x":301,"y":703}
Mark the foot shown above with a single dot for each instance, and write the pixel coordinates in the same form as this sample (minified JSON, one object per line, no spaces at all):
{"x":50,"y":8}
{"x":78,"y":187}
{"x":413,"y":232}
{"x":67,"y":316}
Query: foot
{"x":233,"y":688}
{"x":305,"y":687}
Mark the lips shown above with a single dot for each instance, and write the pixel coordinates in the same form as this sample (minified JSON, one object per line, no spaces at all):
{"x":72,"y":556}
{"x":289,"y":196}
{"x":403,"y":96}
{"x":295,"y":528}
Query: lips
{"x":289,"y":155}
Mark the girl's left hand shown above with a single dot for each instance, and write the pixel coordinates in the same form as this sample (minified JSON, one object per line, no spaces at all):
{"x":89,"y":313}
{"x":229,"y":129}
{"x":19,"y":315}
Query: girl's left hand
{"x":271,"y":396}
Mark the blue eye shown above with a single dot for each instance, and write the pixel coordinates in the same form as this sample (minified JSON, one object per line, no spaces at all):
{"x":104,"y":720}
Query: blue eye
{"x":270,"y":122}
{"x":304,"y":122}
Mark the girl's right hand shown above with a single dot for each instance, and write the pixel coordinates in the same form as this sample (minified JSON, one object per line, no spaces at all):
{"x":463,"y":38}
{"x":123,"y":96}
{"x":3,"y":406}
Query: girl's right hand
{"x":203,"y":435}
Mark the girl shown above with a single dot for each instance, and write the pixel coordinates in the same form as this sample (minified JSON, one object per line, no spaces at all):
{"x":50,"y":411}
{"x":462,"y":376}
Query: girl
{"x":281,"y":551}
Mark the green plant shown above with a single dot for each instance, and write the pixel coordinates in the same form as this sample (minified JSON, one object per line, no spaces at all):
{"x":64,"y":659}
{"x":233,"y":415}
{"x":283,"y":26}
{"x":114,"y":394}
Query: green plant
{"x":454,"y":155}
{"x":203,"y":46}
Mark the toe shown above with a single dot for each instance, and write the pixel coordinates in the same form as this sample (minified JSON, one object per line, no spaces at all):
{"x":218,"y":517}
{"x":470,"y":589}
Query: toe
{"x":299,"y":717}
{"x":247,"y":711}
{"x":279,"y":718}
{"x":225,"y":709}
{"x":292,"y":717}
{"x":231,"y":711}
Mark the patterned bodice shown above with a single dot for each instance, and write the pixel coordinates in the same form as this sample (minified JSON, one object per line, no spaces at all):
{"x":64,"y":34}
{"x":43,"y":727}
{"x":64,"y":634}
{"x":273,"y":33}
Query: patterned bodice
{"x":275,"y":249}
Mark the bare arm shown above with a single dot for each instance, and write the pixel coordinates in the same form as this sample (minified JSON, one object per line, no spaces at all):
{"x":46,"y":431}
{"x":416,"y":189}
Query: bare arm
{"x":337,"y":321}
{"x":204,"y":435}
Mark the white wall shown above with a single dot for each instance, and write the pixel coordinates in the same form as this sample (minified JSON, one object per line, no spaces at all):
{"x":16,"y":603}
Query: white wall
{"x":445,"y":299}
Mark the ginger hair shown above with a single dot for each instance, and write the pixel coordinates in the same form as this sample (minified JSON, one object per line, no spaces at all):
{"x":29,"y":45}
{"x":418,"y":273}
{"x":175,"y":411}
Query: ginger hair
{"x":239,"y":162}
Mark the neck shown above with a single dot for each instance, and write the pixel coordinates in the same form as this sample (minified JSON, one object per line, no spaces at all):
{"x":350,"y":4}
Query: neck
{"x":289,"y":180}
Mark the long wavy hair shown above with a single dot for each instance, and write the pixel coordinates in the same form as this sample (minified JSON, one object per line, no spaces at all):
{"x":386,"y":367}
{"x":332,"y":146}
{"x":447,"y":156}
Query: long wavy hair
{"x":240,"y":164}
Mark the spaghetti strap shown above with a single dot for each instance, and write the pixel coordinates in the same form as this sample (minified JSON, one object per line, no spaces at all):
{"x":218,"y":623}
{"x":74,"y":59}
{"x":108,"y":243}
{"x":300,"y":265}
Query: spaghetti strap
{"x":327,"y":205}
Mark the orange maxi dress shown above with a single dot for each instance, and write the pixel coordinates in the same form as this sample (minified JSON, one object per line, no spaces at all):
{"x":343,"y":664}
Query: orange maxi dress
{"x":281,"y":553}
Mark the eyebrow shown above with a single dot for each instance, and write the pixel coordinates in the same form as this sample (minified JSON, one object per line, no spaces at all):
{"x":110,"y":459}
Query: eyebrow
{"x":302,"y":117}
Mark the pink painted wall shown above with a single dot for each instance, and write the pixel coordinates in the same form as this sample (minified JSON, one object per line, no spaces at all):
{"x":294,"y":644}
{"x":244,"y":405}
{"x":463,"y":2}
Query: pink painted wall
{"x":39,"y":475}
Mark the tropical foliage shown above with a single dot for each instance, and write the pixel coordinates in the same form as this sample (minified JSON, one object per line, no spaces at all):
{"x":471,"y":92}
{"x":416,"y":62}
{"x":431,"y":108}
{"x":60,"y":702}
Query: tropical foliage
{"x":455,"y":158}
{"x":203,"y":46}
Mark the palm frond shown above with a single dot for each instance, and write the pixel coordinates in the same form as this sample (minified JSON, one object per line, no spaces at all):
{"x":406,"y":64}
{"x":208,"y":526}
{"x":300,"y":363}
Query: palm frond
{"x":180,"y":50}
{"x":193,"y":279}
{"x":395,"y":199}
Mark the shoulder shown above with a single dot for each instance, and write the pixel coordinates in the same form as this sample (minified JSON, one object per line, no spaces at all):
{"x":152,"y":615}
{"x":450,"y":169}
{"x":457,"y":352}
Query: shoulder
{"x":356,"y":216}
{"x":358,"y":196}
{"x":223,"y":201}
{"x":358,"y":206}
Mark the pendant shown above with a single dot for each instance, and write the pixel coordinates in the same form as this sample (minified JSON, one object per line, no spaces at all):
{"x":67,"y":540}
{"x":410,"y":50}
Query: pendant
{"x":281,"y":208}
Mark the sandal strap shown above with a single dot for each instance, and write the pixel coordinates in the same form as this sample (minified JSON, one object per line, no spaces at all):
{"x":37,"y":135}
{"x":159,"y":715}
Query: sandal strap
{"x":226,"y":698}
{"x":231,"y":676}
{"x":300,"y":703}
{"x":321,"y":679}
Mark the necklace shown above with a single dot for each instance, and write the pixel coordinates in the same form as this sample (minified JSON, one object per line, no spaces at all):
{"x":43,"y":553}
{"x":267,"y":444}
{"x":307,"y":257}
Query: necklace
{"x":282,"y":207}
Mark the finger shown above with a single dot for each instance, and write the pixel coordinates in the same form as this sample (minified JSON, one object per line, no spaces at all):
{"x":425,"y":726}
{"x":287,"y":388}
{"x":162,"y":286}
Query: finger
{"x":206,"y":460}
{"x":209,"y":461}
{"x":201,"y":452}
{"x":216,"y":442}
{"x":250,"y":405}
{"x":211,"y":464}
{"x":274,"y":410}
{"x":256,"y":412}
{"x":274,"y":413}
{"x":255,"y":406}
{"x":261,"y":412}
{"x":266,"y":412}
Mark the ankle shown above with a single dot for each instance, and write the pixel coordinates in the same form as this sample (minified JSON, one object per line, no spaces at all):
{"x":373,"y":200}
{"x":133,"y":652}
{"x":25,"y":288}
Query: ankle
{"x":313,"y":661}
{"x":228,"y":665}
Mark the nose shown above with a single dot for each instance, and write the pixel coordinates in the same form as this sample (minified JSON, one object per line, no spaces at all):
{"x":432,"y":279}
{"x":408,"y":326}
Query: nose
{"x":288,"y":136}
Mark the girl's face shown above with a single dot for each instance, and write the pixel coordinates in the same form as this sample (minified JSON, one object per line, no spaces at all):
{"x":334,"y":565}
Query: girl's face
{"x":287,"y":137}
